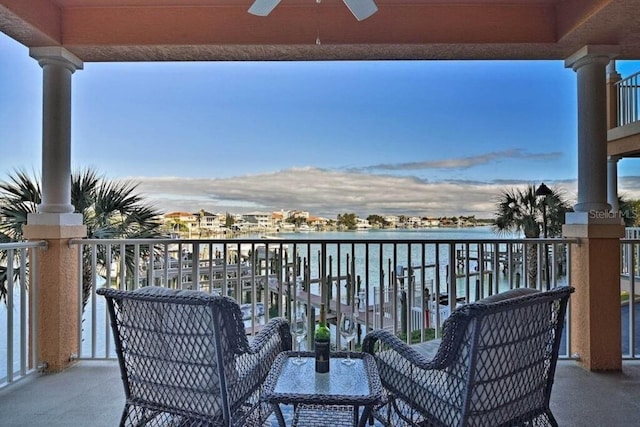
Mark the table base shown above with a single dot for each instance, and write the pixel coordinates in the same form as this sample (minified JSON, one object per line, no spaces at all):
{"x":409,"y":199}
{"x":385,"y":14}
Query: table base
{"x":323,"y":415}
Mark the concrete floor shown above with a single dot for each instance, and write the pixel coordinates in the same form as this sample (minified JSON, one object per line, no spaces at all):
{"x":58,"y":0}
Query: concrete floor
{"x":91,"y":394}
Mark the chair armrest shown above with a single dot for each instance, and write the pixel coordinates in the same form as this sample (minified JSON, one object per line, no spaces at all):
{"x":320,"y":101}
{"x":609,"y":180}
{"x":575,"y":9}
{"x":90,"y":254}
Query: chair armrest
{"x":384,"y":341}
{"x":277,"y":327}
{"x":415,"y":384}
{"x":252,"y":365}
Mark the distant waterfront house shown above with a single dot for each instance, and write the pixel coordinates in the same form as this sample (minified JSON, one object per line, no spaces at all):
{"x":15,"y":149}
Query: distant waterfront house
{"x":299,"y":214}
{"x":447,"y":222}
{"x":200,"y":223}
{"x":210,"y":221}
{"x":260,"y":219}
{"x":415,"y":221}
{"x":362,"y":224}
{"x":430,"y":222}
{"x":317,"y":222}
{"x":180,"y":216}
{"x":173,"y":220}
{"x":277,"y":218}
{"x":392,"y":220}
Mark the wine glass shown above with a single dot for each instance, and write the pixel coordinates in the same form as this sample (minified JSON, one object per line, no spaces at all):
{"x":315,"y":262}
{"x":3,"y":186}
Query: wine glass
{"x":347,"y":328}
{"x":298,"y":328}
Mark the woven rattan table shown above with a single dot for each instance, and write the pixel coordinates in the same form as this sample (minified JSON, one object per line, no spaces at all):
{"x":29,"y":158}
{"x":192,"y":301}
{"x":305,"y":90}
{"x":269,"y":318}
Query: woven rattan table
{"x":331,"y":399}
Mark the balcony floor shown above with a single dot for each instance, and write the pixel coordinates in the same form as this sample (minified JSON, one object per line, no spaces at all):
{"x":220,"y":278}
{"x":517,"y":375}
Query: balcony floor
{"x":91,"y":394}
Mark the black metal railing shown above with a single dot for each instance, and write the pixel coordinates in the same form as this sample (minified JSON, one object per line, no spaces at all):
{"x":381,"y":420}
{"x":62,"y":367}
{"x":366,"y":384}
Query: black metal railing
{"x":628,"y":100}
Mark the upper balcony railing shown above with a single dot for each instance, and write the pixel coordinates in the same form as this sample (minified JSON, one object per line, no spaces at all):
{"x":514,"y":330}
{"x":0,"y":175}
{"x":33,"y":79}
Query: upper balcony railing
{"x":628,"y":100}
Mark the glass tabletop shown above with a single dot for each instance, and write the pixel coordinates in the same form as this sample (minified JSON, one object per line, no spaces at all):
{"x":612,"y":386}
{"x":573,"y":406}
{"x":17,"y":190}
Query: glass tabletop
{"x":358,"y":383}
{"x":340,"y":380}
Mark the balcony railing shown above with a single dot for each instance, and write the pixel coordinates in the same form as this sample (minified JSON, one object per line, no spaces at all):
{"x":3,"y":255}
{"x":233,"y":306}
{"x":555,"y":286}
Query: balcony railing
{"x":630,"y":297}
{"x":628,"y":99}
{"x":408,"y":286}
{"x":405,"y":286}
{"x":18,"y":318}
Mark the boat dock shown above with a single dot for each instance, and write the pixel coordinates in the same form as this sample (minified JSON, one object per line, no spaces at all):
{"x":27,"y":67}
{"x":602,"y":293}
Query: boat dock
{"x":376,"y":316}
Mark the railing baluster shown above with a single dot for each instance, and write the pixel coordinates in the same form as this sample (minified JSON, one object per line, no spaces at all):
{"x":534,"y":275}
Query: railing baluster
{"x":453,"y":290}
{"x":33,"y":298}
{"x":633,"y":252}
{"x":79,"y":313}
{"x":24,"y":315}
{"x":94,"y":302}
{"x":632,"y":308}
{"x":10,"y":312}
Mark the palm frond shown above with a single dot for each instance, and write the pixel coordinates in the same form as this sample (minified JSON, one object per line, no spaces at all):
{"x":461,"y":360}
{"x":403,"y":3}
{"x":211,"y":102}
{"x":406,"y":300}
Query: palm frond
{"x":520,"y":210}
{"x":19,"y":196}
{"x":110,"y":209}
{"x":83,"y":184}
{"x":21,"y":188}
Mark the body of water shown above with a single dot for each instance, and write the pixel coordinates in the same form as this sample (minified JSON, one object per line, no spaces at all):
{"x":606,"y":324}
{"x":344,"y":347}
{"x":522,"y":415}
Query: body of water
{"x":435,"y":233}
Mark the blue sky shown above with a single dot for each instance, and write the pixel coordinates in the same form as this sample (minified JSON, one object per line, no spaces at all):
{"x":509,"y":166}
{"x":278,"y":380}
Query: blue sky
{"x":400,"y":137}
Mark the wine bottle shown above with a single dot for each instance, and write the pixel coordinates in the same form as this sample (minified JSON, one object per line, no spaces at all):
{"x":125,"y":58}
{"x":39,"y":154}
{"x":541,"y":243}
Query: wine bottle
{"x":322,"y":340}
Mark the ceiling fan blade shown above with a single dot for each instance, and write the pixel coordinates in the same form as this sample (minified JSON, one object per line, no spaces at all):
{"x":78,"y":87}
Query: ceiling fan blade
{"x":361,"y":9}
{"x":263,"y":7}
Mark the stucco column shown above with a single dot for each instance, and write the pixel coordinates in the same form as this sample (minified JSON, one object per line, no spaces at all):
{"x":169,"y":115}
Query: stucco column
{"x":55,"y":222}
{"x":595,"y":260}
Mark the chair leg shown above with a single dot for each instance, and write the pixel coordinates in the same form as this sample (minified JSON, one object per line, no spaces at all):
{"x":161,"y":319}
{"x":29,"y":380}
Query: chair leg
{"x":125,"y":415}
{"x":136,"y":416}
{"x":552,"y":419}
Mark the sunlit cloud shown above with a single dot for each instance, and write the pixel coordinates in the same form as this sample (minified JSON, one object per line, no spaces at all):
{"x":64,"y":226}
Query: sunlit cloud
{"x":328,"y":193}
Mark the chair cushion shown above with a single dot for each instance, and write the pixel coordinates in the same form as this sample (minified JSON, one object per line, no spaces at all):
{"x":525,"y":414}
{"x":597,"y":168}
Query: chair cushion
{"x":428,"y":348}
{"x":512,"y":293}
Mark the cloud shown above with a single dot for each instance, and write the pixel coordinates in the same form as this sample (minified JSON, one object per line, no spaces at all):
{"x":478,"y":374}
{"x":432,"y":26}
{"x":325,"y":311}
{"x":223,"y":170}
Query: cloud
{"x":328,"y":193}
{"x":466,"y":162}
{"x":629,"y":187}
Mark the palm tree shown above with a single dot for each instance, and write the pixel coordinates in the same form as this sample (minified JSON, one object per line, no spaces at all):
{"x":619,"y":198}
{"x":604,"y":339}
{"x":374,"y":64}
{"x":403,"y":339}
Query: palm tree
{"x":520,"y":211}
{"x":110,"y":209}
{"x":629,"y":209}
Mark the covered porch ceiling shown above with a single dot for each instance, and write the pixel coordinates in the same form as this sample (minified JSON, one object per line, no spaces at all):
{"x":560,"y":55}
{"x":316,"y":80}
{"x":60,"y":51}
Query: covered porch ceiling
{"x":196,"y":30}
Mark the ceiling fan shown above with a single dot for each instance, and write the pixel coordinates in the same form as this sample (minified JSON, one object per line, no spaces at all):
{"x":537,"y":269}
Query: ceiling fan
{"x":361,"y":9}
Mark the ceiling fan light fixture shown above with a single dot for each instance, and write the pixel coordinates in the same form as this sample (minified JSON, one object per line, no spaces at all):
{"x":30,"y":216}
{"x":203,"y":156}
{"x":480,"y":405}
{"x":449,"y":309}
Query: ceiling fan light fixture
{"x":263,"y":7}
{"x":361,"y":9}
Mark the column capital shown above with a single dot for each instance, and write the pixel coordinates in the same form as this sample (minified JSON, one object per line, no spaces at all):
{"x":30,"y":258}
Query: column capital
{"x":590,"y":54}
{"x":612,"y":74}
{"x":46,"y":55}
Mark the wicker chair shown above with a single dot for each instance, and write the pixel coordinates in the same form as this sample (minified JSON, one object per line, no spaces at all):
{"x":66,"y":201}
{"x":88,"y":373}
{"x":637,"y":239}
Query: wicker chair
{"x":185,"y":359}
{"x":493,"y":367}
